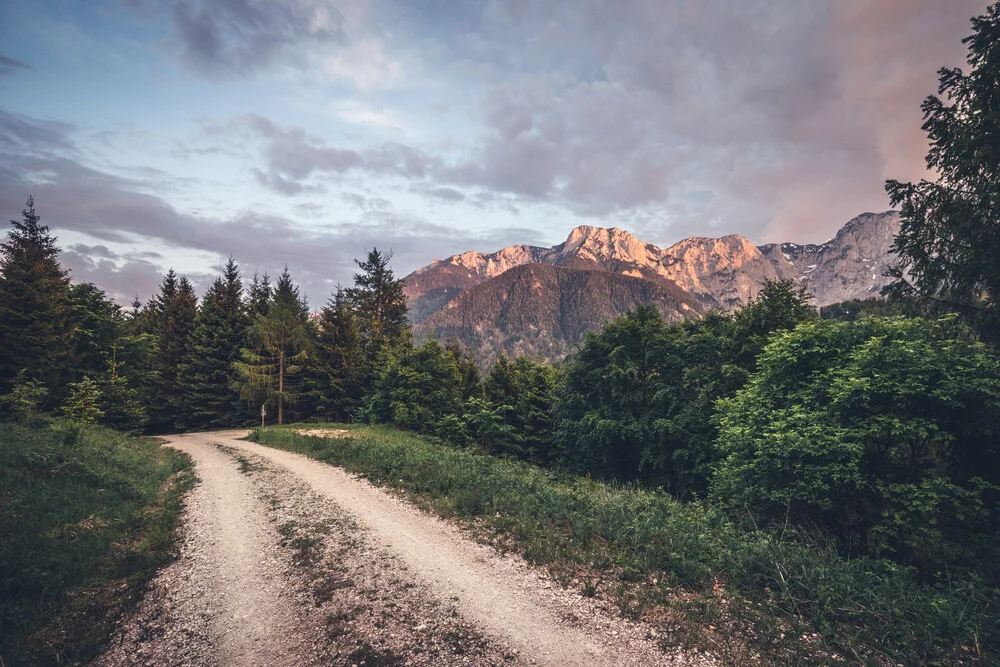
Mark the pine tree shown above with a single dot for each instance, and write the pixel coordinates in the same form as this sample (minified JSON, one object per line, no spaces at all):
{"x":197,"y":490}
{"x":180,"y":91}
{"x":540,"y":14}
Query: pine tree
{"x":82,"y":404}
{"x":25,"y":396}
{"x":99,"y":324}
{"x":35,"y":324}
{"x":220,"y":334}
{"x":172,"y":318}
{"x":339,"y":363}
{"x":259,"y":297}
{"x":380,"y":305}
{"x":279,"y":342}
{"x":120,"y":402}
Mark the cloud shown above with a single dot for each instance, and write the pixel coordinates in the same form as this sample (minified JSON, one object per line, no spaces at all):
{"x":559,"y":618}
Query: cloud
{"x":238,"y":37}
{"x":10,"y":66}
{"x":72,"y":196}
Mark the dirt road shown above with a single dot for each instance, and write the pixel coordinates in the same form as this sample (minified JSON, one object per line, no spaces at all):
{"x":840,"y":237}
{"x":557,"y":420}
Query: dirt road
{"x":289,"y":561}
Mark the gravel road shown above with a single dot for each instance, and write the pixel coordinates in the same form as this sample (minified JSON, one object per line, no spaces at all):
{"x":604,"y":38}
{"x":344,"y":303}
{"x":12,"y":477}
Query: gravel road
{"x":289,"y":561}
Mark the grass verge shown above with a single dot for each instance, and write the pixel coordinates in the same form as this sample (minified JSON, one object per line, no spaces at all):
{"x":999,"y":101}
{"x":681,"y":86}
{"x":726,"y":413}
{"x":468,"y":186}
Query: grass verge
{"x":87,"y":516}
{"x":746,"y":596}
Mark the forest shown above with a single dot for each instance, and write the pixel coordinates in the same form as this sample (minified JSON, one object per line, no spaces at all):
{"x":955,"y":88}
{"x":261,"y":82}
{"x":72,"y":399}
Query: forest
{"x":869,"y":430}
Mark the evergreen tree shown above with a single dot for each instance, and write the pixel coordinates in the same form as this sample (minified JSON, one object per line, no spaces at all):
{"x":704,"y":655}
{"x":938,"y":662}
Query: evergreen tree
{"x":35,"y":324}
{"x":120,"y":402}
{"x":172,"y":317}
{"x":471,"y":380}
{"x":282,"y":337}
{"x":83,"y":402}
{"x":260,"y":293}
{"x":219,"y":336}
{"x":99,"y":325}
{"x":949,"y":239}
{"x":338,"y":364}
{"x":380,"y":305}
{"x":25,"y":396}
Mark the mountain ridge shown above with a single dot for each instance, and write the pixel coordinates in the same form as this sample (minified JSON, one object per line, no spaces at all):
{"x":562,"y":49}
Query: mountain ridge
{"x":685,"y":279}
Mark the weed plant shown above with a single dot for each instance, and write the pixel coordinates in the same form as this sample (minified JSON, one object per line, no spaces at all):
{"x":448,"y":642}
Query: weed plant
{"x":87,"y":515}
{"x":790,"y":601}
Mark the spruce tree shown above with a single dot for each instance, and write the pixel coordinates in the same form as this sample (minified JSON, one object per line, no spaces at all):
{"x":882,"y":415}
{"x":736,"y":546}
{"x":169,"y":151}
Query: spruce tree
{"x":83,"y":403}
{"x":35,"y":324}
{"x":220,"y":334}
{"x":172,"y":318}
{"x":380,"y":305}
{"x":119,"y":400}
{"x":269,"y":370}
{"x":259,"y":297}
{"x":338,"y":363}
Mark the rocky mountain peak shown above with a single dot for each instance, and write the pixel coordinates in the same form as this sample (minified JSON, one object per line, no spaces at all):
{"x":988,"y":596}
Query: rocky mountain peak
{"x":601,"y":244}
{"x":724,"y":272}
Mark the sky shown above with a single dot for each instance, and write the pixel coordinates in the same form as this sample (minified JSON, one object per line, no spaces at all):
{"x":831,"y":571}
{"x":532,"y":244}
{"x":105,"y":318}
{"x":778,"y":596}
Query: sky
{"x":178,"y":133}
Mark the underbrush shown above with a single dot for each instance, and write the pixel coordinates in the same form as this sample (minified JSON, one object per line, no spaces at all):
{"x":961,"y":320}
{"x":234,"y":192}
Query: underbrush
{"x":87,"y":515}
{"x":748,"y":596}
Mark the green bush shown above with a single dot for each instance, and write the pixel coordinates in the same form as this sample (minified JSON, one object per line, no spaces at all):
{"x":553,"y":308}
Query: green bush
{"x":883,"y":433}
{"x":418,"y":389}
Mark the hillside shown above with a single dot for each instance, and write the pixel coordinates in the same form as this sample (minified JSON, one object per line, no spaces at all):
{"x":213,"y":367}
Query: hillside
{"x":544,"y":310}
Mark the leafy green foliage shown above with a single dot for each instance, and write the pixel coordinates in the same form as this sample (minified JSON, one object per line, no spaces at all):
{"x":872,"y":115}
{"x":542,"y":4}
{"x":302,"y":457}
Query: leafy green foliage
{"x":87,"y":519}
{"x":418,"y":389}
{"x":883,"y":433}
{"x":515,"y":417}
{"x":639,"y":397}
{"x":35,"y":309}
{"x":950,"y":236}
{"x":82,"y":406}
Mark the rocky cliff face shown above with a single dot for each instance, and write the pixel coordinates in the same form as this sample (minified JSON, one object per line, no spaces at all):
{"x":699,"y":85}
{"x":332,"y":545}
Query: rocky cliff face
{"x":544,"y":310}
{"x":448,"y":297}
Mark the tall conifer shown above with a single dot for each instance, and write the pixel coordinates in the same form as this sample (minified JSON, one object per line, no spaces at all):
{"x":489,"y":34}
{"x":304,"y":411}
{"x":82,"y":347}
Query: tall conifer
{"x":172,"y":315}
{"x":35,"y":324}
{"x":272,"y":363}
{"x":220,"y":334}
{"x":338,"y":364}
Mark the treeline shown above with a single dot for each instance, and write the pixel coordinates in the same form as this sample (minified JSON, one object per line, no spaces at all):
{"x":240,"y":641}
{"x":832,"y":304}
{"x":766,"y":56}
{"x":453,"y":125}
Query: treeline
{"x":176,"y":363}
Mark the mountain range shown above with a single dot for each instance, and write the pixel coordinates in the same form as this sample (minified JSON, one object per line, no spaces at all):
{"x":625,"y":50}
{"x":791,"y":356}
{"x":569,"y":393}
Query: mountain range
{"x":541,"y":301}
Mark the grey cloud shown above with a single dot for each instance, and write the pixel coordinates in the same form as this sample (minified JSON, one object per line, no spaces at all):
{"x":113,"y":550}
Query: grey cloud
{"x":237,"y":37}
{"x":9,"y":66}
{"x":99,"y":251}
{"x":292,"y":157}
{"x":444,"y":194}
{"x":76,"y":197}
{"x":22,"y":134}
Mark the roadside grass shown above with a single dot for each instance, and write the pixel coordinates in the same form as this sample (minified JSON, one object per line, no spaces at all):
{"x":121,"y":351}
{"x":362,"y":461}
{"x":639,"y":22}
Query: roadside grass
{"x":699,"y":579}
{"x":87,"y":516}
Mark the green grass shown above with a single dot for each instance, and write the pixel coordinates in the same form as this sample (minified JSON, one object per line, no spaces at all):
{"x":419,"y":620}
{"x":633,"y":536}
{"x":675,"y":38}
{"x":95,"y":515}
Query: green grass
{"x":87,"y":515}
{"x":683,"y":566}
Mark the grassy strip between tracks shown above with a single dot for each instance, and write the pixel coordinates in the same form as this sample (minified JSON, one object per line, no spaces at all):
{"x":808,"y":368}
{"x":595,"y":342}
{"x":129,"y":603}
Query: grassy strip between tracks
{"x":699,"y":580}
{"x":87,"y":516}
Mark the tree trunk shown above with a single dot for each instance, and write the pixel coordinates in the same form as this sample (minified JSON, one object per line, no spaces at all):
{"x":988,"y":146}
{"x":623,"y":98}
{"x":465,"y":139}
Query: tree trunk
{"x":281,"y":387}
